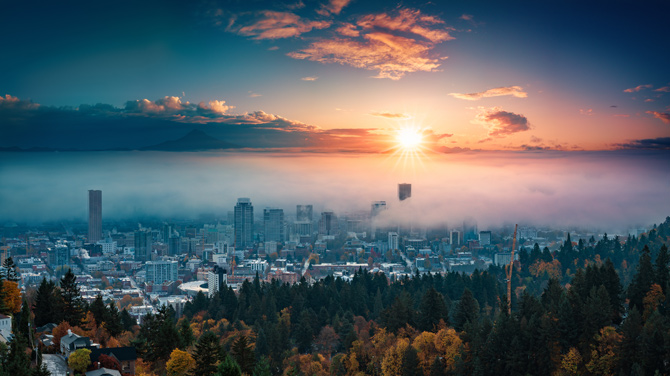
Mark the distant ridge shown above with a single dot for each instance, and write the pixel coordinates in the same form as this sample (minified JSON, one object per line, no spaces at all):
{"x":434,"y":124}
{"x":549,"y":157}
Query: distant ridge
{"x":195,"y":140}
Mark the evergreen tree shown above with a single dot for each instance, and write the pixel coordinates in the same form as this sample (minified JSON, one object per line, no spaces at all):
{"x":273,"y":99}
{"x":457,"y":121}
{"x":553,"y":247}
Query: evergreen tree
{"x":642,"y":281}
{"x":98,"y":309}
{"x":262,"y":367}
{"x":112,"y":319}
{"x":127,"y":321}
{"x":410,"y":363}
{"x":467,"y":310}
{"x":432,"y":310}
{"x":243,"y":354}
{"x":185,"y":334}
{"x":661,"y":271}
{"x":46,"y":307}
{"x":17,"y":362}
{"x":206,"y":355}
{"x":228,"y":367}
{"x":73,"y":304}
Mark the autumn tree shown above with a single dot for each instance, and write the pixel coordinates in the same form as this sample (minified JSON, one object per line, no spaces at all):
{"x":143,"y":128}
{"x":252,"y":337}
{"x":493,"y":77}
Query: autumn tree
{"x":180,"y":363}
{"x":79,"y":360}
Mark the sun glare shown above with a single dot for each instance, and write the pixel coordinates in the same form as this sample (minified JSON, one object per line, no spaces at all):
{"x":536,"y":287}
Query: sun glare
{"x":410,"y":138}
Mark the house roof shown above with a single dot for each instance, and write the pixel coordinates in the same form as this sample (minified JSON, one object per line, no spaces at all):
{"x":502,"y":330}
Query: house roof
{"x":71,"y":338}
{"x":103,"y":372}
{"x":120,"y":353}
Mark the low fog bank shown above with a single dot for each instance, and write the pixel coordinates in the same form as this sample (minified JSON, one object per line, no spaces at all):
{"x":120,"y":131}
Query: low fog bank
{"x":608,"y":191}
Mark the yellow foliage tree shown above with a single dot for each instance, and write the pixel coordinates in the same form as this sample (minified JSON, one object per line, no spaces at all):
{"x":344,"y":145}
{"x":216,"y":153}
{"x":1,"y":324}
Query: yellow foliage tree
{"x":79,"y":360}
{"x":12,"y":296}
{"x":392,"y":363}
{"x":604,"y":357}
{"x":424,"y":344}
{"x":570,"y":363}
{"x":447,"y":344}
{"x":652,"y":300}
{"x":180,"y":363}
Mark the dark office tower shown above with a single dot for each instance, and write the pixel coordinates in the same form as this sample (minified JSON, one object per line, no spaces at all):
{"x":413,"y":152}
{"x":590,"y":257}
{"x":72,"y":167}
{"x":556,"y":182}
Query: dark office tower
{"x":94,"y":216}
{"x":244,"y":223}
{"x":174,"y":245}
{"x":404,"y":191}
{"x":303,"y":213}
{"x":273,"y":223}
{"x":328,"y":223}
{"x":142,"y":246}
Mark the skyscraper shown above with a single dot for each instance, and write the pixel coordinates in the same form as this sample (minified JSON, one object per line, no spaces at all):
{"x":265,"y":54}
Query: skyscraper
{"x":143,"y":246}
{"x":404,"y":191}
{"x":94,"y":216}
{"x":328,"y":223}
{"x":273,"y":223}
{"x":377,"y":207}
{"x":244,"y":223}
{"x":303,"y":213}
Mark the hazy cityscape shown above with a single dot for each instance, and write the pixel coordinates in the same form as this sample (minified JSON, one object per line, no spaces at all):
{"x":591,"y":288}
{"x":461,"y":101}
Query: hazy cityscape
{"x":334,"y":187}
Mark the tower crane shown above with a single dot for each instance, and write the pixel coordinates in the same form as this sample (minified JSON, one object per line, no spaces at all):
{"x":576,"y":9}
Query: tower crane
{"x":509,"y":273}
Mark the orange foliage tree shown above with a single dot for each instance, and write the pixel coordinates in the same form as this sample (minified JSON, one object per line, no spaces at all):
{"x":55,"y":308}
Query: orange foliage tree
{"x":12,"y":295}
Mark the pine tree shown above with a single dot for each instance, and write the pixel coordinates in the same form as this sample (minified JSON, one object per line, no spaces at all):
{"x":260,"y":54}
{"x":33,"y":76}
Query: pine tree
{"x":73,"y":304}
{"x":228,"y":367}
{"x":661,"y":271}
{"x":185,"y":334}
{"x":467,"y":310}
{"x":642,"y":281}
{"x":243,"y":354}
{"x":112,"y":319}
{"x":98,"y":309}
{"x":127,"y":320}
{"x":262,"y":367}
{"x":432,"y":310}
{"x":206,"y":355}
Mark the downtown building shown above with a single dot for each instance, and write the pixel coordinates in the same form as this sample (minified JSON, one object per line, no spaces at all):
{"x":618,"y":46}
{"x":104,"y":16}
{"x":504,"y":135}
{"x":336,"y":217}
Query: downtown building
{"x":273,"y":224}
{"x":244,"y":223}
{"x":94,"y":216}
{"x":159,"y":272}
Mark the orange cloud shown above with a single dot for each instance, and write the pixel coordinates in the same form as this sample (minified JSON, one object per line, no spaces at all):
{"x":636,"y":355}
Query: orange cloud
{"x":390,"y":115}
{"x":392,"y":56}
{"x":392,"y":45}
{"x":334,"y":7}
{"x":662,"y":116}
{"x":501,"y":123}
{"x":410,"y":21}
{"x":664,"y":89}
{"x":277,"y":25}
{"x":312,"y":78}
{"x":516,"y":91}
{"x":637,"y":88}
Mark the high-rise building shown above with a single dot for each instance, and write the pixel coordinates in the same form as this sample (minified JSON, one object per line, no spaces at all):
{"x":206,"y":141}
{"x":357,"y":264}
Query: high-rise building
{"x":470,"y":229}
{"x":174,"y":245}
{"x":404,"y":191}
{"x":303,"y":213}
{"x":485,"y":238}
{"x":377,"y":207}
{"x":273,"y":223}
{"x":393,"y":241}
{"x":455,"y":238}
{"x":143,"y":245}
{"x":244,"y":223}
{"x":215,"y":280}
{"x":159,"y":272}
{"x":94,"y":216}
{"x":328,"y":223}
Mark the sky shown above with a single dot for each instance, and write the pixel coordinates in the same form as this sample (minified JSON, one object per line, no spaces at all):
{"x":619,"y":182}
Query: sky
{"x":345,"y":75}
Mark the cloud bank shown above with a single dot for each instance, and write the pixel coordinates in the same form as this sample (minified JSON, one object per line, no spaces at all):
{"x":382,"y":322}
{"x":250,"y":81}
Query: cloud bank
{"x":515,"y":91}
{"x":501,"y":123}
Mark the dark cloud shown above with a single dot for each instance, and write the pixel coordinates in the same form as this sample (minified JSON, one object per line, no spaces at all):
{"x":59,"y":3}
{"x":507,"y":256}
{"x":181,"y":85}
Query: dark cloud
{"x":501,"y":123}
{"x":661,"y":143}
{"x":144,"y":122}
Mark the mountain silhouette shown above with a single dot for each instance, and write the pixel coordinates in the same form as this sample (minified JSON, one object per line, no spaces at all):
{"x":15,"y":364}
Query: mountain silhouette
{"x":195,"y":140}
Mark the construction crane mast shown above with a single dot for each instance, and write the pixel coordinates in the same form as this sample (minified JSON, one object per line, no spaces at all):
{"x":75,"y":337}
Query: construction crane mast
{"x":509,"y":274}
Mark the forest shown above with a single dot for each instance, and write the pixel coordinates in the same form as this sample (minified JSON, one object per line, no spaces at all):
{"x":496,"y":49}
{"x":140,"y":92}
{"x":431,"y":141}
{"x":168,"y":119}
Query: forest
{"x":593,"y":307}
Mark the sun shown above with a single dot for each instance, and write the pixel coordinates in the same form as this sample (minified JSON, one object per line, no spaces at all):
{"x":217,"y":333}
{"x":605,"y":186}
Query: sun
{"x":410,"y":138}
